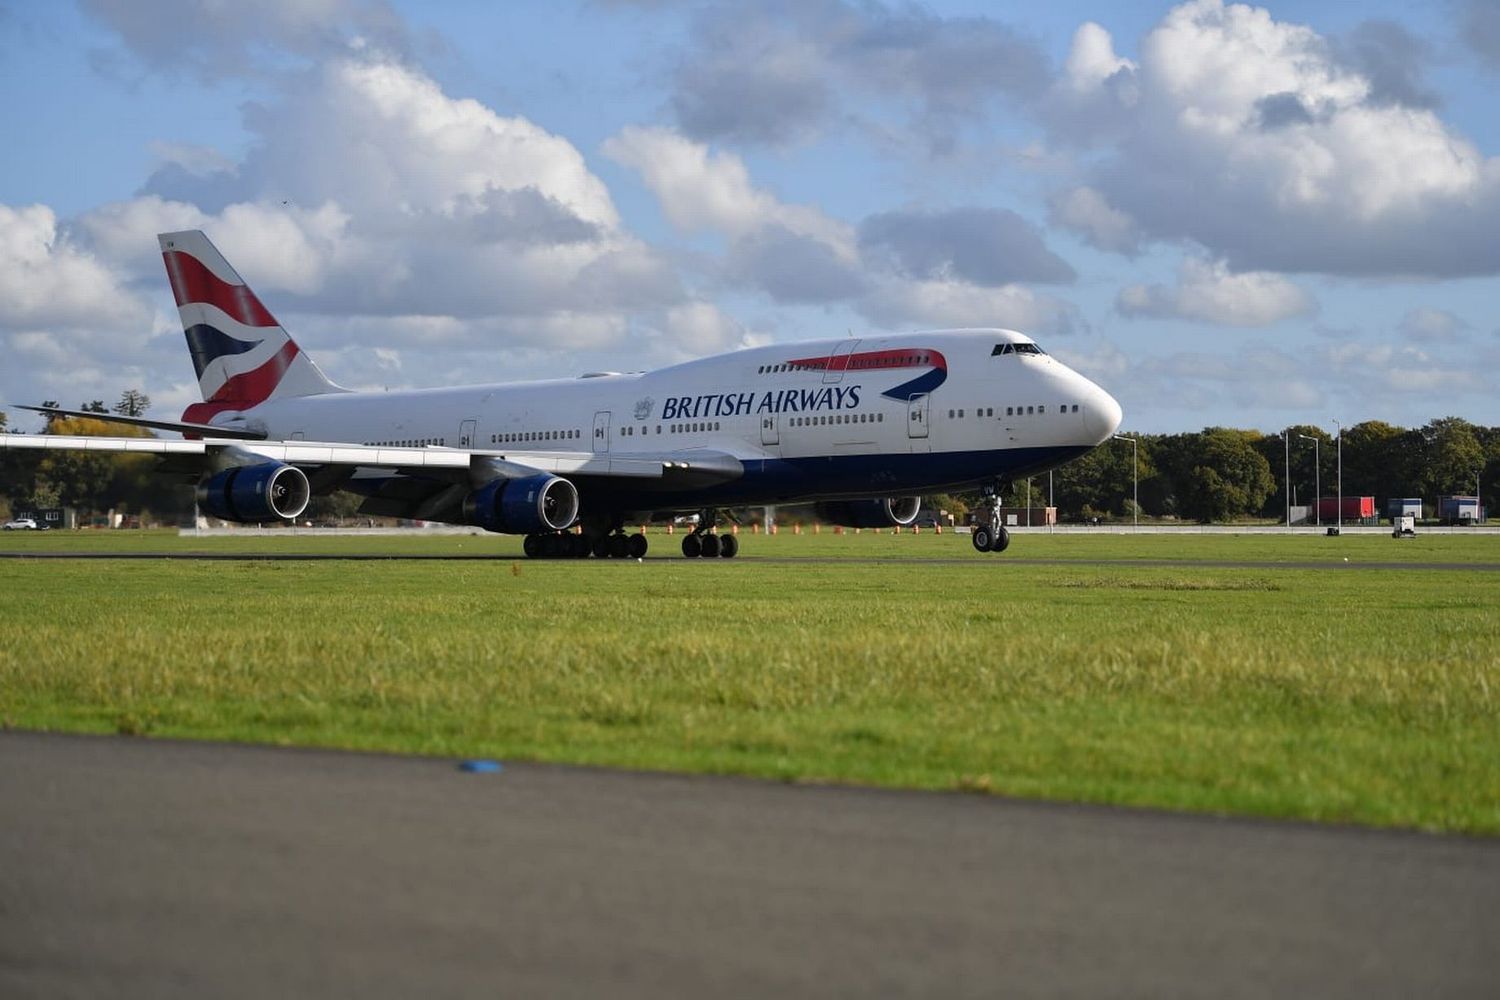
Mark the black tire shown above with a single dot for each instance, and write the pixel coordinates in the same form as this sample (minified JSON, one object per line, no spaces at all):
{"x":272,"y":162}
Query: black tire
{"x":692,"y":547}
{"x":619,"y":546}
{"x":532,"y":546}
{"x":1001,"y":542}
{"x":638,"y":546}
{"x":600,"y":547}
{"x":582,"y":547}
{"x":729,"y":546}
{"x":980,"y":536}
{"x":710,"y":546}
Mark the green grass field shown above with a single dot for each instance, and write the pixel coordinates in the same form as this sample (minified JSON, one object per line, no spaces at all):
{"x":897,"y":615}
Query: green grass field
{"x":1318,"y":691}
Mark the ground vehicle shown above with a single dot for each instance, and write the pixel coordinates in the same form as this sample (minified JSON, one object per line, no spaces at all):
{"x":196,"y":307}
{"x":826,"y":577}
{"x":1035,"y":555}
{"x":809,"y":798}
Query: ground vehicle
{"x":21,"y":524}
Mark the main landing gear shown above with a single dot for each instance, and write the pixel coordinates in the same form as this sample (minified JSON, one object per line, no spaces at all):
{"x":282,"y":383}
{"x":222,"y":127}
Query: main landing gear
{"x":704,"y":542}
{"x":566,"y":545}
{"x":989,"y":535}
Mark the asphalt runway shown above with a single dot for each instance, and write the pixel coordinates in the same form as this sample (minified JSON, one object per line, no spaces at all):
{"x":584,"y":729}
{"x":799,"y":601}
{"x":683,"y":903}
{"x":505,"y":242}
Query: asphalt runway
{"x":143,"y":868}
{"x":781,"y":560}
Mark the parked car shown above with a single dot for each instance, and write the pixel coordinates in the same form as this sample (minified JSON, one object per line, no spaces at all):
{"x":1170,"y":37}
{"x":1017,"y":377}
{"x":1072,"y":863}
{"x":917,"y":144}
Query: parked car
{"x":21,"y":524}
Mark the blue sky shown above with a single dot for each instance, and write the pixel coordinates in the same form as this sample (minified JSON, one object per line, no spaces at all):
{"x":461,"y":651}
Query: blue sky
{"x":1226,"y":214}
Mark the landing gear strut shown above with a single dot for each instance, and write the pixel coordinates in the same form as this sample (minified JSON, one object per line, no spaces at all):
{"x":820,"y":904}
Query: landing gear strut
{"x":989,"y":534}
{"x":704,"y":542}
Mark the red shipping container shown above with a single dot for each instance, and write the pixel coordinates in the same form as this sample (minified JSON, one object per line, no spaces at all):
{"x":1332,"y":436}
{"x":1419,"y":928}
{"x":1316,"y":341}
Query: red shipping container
{"x":1355,"y":508}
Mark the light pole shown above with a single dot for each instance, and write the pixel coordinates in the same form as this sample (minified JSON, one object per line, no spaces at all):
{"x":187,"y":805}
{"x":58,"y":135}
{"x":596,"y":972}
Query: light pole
{"x":1135,"y":479}
{"x":1317,"y":481}
{"x":1339,"y":528}
{"x":1286,"y":472}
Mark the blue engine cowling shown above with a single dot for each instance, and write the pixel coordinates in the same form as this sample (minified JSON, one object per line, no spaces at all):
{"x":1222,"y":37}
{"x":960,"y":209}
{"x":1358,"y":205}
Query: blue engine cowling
{"x":253,"y":493}
{"x":881,"y":512}
{"x":523,"y":506}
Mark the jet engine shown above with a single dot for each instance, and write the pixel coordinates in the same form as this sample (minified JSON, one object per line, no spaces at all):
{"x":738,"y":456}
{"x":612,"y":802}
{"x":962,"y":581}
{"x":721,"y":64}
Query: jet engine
{"x":523,"y":506}
{"x":253,"y":493}
{"x":881,"y":512}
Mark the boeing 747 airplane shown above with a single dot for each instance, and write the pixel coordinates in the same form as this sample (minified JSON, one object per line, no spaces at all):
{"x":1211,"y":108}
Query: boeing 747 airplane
{"x":861,"y":426}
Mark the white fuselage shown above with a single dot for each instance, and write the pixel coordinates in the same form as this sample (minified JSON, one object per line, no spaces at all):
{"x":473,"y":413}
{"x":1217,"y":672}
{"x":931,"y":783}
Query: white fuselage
{"x":967,"y":409}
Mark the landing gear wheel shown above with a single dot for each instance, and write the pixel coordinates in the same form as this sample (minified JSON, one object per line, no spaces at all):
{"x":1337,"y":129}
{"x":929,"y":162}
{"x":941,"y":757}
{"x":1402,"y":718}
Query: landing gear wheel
{"x":532,"y":546}
{"x":637,"y":547}
{"x":1001,"y":542}
{"x":618,"y":546}
{"x":692,"y":547}
{"x":710,"y":546}
{"x":581,"y":546}
{"x":981,"y":538}
{"x":600,"y":546}
{"x":729,"y":546}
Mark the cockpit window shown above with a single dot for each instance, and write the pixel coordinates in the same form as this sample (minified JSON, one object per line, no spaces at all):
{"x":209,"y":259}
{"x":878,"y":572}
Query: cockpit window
{"x":1016,"y":349}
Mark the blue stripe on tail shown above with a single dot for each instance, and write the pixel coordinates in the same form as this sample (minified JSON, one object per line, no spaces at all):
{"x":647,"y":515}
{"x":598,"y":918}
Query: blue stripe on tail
{"x":207,"y":343}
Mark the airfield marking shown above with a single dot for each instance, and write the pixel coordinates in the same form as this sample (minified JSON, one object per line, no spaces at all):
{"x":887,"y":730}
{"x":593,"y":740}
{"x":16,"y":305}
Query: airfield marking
{"x":143,"y":867}
{"x":744,"y":557}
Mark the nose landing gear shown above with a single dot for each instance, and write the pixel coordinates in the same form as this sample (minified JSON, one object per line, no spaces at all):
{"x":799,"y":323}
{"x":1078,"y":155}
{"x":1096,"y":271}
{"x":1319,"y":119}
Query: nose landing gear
{"x":989,"y":534}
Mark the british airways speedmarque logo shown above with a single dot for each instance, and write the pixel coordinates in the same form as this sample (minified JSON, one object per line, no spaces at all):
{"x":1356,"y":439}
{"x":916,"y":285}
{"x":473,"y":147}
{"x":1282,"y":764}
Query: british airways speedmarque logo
{"x":819,"y":398}
{"x":890,"y":360}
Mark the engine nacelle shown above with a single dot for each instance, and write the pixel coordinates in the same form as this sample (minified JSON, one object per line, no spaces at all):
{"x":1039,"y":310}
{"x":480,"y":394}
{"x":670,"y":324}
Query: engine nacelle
{"x":523,"y":506}
{"x":254,"y":493}
{"x":881,"y":512}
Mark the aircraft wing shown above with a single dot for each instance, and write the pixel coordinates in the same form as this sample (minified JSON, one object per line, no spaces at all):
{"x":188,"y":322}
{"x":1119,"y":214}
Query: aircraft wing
{"x":701,"y":466}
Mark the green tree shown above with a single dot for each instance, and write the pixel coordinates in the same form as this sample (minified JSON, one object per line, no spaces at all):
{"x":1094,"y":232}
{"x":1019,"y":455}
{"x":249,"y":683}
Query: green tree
{"x":133,"y":403}
{"x":1378,"y":461}
{"x":97,"y":406}
{"x":1451,"y":456}
{"x":1221,"y":475}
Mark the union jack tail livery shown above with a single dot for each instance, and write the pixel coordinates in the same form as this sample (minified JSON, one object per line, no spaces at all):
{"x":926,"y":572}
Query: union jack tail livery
{"x":241,"y":354}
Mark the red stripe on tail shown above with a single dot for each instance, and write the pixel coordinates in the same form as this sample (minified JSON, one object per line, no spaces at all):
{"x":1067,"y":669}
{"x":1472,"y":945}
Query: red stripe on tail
{"x":193,"y":283}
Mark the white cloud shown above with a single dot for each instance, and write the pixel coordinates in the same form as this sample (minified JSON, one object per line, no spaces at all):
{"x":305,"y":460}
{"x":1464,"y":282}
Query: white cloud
{"x":1208,"y":292}
{"x":1247,"y":136}
{"x":938,"y":304}
{"x":1427,"y":324}
{"x":46,"y":280}
{"x":700,"y":189}
{"x":1086,"y":212}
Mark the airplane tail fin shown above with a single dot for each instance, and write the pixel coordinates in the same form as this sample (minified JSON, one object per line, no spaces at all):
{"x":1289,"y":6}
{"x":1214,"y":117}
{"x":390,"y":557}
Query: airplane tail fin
{"x":241,"y":354}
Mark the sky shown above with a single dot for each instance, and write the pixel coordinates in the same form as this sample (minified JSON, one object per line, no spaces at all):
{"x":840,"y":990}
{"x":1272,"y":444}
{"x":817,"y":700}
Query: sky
{"x":1227,"y":215}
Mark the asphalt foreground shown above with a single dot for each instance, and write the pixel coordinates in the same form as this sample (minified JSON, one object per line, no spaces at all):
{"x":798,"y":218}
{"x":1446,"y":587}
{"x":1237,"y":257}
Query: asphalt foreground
{"x":134,"y":867}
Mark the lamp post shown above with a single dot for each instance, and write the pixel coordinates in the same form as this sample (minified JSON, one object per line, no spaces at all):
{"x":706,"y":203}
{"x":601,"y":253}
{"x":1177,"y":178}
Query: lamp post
{"x":1135,"y":479}
{"x":1286,"y":472}
{"x":1317,"y":480}
{"x":1339,"y":528}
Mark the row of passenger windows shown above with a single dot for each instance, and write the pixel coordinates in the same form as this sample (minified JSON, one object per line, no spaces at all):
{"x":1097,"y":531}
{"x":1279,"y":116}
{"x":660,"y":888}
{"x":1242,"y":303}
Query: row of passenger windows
{"x":699,"y":427}
{"x":409,"y":443}
{"x":1010,"y":411}
{"x":838,"y":418}
{"x":525,"y":437}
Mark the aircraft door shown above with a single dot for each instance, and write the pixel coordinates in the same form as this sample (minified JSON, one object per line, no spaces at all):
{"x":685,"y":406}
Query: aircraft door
{"x":601,"y":432}
{"x":916,"y":416}
{"x":838,"y":361}
{"x":466,"y":434}
{"x":770,"y":432}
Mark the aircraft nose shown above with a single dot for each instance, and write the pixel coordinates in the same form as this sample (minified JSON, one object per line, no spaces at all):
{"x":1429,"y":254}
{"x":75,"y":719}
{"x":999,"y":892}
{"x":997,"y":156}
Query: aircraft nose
{"x":1101,"y":414}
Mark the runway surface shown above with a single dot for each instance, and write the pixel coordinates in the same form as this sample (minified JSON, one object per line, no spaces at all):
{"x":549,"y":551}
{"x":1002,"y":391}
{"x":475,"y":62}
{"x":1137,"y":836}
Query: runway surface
{"x":146,"y":868}
{"x":781,"y":560}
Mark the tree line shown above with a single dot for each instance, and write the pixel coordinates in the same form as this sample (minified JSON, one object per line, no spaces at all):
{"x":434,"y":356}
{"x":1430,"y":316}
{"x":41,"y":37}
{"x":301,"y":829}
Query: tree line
{"x":1216,"y":474}
{"x":1223,"y":473}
